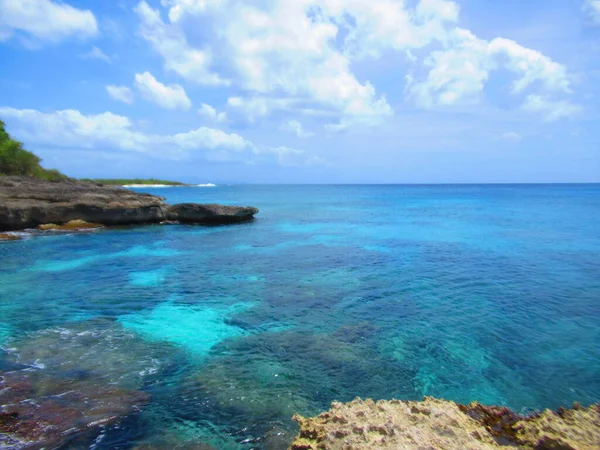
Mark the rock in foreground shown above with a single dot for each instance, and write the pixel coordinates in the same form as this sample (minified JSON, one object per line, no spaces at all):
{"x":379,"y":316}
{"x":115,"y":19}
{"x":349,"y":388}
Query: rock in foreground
{"x":30,"y":202}
{"x":439,"y":424}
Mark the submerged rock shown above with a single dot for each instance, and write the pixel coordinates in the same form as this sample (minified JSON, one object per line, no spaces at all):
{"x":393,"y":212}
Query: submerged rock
{"x":31,"y":421}
{"x":63,"y":386}
{"x":210,"y":214}
{"x":9,"y":237}
{"x":30,"y":202}
{"x":440,"y":424}
{"x":72,"y":225}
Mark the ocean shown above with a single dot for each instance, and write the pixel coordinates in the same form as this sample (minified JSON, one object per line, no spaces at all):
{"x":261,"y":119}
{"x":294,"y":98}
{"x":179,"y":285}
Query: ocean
{"x":464,"y":292}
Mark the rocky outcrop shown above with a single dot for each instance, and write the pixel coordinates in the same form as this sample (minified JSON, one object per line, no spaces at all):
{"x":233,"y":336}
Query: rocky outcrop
{"x":439,"y":424}
{"x":209,"y":214}
{"x":29,"y":202}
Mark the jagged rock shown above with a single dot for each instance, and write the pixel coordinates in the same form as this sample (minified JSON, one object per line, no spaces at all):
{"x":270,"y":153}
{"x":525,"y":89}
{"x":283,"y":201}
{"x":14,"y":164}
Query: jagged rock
{"x":72,"y":225}
{"x":439,"y":424}
{"x":210,"y":214}
{"x":30,"y":202}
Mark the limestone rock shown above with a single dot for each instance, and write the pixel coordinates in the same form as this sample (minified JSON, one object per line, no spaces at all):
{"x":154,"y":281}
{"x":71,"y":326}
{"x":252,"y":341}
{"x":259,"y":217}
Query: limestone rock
{"x":439,"y":424}
{"x":210,"y":214}
{"x":28,"y":202}
{"x":68,"y":205}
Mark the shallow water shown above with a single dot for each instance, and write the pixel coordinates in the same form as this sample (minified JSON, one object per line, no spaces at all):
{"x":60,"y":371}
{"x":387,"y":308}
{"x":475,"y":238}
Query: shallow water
{"x":488,"y":293}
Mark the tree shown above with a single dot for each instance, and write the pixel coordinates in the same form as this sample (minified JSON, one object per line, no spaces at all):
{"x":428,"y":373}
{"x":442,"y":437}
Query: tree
{"x":15,"y":160}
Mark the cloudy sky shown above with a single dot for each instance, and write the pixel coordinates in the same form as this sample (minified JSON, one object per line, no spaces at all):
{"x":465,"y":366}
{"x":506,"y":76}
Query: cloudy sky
{"x":371,"y":91}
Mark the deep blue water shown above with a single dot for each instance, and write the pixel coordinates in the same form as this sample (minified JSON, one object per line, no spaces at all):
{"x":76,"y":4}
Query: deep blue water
{"x":488,"y":293}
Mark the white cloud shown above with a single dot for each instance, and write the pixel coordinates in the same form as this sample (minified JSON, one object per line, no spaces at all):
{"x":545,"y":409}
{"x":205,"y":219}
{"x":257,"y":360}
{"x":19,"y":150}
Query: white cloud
{"x":120,"y":93}
{"x":40,"y":21}
{"x":299,"y":55}
{"x":170,"y":42}
{"x":72,"y":129}
{"x":296,"y":128}
{"x":254,"y":108}
{"x":592,"y":8}
{"x":96,"y":53}
{"x":531,"y":65}
{"x":171,"y":96}
{"x":275,"y":50}
{"x":210,"y":113}
{"x":551,"y":110}
{"x":459,"y":73}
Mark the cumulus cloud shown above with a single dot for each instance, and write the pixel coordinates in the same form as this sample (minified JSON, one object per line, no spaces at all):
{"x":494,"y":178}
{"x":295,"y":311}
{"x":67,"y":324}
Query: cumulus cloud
{"x":296,"y":128}
{"x":170,"y":42}
{"x":592,"y":7}
{"x":210,"y":113}
{"x":44,"y":21}
{"x":299,"y":55}
{"x":96,"y":53}
{"x":72,"y":129}
{"x":171,"y":96}
{"x":551,"y":110}
{"x":120,"y":93}
{"x":459,"y":73}
{"x":275,"y":50}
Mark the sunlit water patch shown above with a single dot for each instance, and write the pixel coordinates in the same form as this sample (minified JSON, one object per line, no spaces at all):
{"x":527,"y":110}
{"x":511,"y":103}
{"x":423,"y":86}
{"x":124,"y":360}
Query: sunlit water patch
{"x":197,"y":328}
{"x":191,"y":337}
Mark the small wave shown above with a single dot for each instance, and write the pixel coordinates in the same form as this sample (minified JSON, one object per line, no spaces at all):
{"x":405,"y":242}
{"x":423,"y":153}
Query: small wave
{"x":206,"y":185}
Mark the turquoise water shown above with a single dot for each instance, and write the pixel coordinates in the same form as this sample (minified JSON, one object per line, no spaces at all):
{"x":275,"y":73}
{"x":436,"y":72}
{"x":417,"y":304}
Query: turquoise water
{"x":488,"y":293}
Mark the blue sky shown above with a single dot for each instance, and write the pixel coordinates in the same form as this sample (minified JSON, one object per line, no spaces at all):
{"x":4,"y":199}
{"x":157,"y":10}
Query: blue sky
{"x":343,"y":91}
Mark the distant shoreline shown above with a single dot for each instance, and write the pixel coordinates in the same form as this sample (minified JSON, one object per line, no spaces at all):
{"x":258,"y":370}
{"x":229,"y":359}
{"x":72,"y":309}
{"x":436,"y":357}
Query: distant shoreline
{"x":166,"y":185}
{"x":134,"y":182}
{"x":143,"y":183}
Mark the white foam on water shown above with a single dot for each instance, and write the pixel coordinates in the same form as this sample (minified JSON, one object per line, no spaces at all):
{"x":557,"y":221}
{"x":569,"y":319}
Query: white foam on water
{"x":148,"y":278}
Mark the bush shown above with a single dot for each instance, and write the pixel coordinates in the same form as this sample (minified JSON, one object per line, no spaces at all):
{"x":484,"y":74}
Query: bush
{"x":15,"y":160}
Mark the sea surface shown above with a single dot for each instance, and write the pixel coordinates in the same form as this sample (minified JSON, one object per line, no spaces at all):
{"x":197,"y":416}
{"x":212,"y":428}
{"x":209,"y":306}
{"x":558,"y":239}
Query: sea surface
{"x":470,"y":292}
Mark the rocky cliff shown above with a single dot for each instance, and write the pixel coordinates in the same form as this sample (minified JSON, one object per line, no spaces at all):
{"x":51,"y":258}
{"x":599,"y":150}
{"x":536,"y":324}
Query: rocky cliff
{"x":438,"y":424}
{"x":28,"y":203}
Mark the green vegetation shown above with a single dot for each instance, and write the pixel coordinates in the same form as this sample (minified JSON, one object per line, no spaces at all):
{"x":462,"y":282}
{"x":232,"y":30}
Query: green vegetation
{"x":122,"y":182}
{"x":15,"y":160}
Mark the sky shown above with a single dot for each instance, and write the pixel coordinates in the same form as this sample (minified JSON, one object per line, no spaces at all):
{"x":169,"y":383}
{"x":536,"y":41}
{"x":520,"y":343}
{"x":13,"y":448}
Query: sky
{"x":306,"y":91}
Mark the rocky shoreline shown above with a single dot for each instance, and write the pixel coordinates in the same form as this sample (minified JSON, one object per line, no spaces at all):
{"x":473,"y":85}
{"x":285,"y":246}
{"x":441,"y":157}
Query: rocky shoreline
{"x":439,"y":424}
{"x":28,"y":203}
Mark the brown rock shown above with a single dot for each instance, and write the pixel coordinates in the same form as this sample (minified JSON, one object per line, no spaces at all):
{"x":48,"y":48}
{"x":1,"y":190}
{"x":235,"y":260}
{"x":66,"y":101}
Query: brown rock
{"x":72,"y":225}
{"x":566,"y":429}
{"x":31,"y":421}
{"x":439,"y":424}
{"x":210,"y":214}
{"x":9,"y":237}
{"x":29,"y":202}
